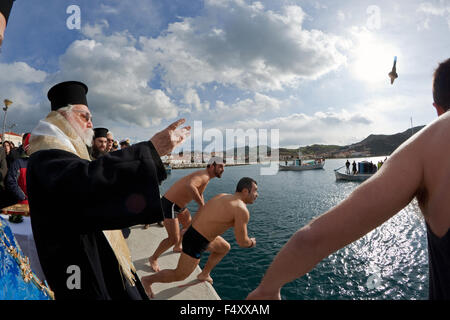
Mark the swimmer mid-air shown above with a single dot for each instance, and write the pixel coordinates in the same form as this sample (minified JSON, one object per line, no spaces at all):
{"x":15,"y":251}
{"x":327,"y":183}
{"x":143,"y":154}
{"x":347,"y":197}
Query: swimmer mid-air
{"x":393,"y":74}
{"x":222,"y":212}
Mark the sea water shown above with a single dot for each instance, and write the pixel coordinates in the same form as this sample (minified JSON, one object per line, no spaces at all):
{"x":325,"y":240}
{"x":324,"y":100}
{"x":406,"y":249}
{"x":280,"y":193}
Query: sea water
{"x":391,"y":262}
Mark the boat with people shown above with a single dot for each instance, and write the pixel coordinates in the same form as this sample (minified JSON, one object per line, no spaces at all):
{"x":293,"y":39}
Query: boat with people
{"x":300,"y":165}
{"x":365,"y":171}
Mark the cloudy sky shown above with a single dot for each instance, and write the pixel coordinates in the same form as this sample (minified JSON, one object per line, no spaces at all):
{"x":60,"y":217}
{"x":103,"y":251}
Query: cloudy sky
{"x":314,"y":69}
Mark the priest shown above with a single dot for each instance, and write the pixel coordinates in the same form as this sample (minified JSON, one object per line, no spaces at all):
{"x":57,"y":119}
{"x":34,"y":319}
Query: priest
{"x":99,"y":145}
{"x":78,"y":206}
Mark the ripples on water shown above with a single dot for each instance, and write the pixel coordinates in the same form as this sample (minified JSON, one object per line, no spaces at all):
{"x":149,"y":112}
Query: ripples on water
{"x":391,"y":262}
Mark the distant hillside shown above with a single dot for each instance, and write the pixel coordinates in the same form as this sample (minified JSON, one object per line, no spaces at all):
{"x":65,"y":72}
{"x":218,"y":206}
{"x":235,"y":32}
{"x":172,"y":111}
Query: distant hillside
{"x":373,"y":145}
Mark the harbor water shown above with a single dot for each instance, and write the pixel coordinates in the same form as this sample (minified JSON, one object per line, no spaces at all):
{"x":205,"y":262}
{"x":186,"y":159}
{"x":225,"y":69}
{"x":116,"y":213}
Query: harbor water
{"x":391,"y":262}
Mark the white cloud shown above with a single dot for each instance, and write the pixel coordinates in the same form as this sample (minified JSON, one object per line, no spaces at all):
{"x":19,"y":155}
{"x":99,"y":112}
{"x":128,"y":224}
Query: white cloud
{"x":117,"y":74}
{"x":245,"y":46}
{"x":108,"y":9}
{"x":260,"y":105}
{"x":429,"y":11}
{"x":20,"y":73}
{"x":16,"y":84}
{"x":379,"y":115}
{"x":322,"y":128}
{"x":191,"y":98}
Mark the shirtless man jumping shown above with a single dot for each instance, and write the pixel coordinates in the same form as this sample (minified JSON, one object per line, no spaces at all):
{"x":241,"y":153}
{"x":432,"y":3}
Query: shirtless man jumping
{"x":183,"y":191}
{"x":222,"y":212}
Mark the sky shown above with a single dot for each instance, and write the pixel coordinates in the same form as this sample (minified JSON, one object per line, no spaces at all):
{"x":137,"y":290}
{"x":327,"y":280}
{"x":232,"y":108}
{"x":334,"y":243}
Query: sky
{"x":314,"y":70}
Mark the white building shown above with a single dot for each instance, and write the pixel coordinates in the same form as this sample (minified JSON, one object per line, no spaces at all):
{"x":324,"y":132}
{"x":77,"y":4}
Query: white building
{"x":14,"y":137}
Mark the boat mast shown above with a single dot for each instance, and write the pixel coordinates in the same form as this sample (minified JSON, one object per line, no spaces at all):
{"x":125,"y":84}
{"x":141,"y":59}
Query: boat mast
{"x":411,"y":128}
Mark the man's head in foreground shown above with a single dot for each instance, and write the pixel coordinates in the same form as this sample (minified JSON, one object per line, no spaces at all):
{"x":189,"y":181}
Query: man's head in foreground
{"x":248,"y":189}
{"x":441,"y":87}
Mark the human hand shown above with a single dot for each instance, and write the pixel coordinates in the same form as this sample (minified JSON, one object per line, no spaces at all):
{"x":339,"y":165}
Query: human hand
{"x":253,"y":240}
{"x":171,"y":137}
{"x":260,"y":294}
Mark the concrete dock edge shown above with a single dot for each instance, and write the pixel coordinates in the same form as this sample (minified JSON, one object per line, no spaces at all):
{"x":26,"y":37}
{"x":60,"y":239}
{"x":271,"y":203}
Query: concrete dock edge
{"x":142,"y":243}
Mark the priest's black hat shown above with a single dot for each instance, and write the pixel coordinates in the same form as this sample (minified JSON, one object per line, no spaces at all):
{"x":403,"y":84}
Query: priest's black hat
{"x":69,"y":92}
{"x":100,"y":132}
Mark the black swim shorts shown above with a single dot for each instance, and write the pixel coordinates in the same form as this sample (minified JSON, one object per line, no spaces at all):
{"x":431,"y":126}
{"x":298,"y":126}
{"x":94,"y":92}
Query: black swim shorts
{"x":194,"y":244}
{"x":170,"y":209}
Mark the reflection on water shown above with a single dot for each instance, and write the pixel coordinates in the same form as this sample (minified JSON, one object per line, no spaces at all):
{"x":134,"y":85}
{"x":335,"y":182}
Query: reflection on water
{"x":391,"y":262}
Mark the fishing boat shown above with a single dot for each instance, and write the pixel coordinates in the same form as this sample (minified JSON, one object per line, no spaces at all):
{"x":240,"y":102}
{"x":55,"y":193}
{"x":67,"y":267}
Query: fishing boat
{"x":352,"y":177}
{"x":365,"y":171}
{"x":300,"y":165}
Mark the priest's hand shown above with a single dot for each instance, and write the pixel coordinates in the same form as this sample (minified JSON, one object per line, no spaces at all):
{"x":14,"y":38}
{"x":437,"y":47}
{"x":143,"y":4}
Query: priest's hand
{"x":171,"y":137}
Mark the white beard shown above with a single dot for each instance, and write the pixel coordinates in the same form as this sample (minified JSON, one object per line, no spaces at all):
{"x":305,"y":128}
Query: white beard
{"x":86,"y":135}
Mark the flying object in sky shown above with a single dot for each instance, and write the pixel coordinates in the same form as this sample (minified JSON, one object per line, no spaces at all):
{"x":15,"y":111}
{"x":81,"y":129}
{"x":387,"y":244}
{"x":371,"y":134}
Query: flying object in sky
{"x":393,"y":74}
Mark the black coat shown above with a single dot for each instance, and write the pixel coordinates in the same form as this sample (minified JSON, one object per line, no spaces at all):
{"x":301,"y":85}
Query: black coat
{"x":72,"y":200}
{"x":3,"y":168}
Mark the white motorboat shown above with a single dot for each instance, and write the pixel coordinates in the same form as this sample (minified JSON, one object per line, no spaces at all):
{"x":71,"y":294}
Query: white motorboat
{"x":300,"y":165}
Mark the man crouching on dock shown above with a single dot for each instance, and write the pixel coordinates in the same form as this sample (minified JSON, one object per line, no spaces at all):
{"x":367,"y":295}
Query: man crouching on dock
{"x":222,"y":212}
{"x":188,"y":188}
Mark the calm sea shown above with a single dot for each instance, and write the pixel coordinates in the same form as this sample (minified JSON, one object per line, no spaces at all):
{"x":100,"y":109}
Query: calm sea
{"x":391,"y":262}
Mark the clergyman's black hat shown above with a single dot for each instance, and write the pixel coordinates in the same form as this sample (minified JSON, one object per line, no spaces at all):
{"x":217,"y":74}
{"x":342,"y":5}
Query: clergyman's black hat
{"x":100,"y":132}
{"x":69,"y":92}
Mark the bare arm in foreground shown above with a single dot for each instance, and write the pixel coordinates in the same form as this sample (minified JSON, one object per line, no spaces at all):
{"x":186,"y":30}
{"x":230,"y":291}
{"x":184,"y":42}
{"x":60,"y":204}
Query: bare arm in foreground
{"x":2,"y":28}
{"x":370,"y":205}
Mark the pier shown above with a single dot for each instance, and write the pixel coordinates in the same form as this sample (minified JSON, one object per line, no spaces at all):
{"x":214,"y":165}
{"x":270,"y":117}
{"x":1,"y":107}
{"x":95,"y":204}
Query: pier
{"x":202,"y":165}
{"x":142,"y":243}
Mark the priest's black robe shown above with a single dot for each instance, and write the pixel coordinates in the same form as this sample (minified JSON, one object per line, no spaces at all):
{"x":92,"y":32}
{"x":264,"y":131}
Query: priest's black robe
{"x":72,"y":200}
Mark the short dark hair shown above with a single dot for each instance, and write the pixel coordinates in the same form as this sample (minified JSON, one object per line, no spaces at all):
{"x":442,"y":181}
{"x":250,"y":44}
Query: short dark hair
{"x":441,"y":85}
{"x":245,"y":183}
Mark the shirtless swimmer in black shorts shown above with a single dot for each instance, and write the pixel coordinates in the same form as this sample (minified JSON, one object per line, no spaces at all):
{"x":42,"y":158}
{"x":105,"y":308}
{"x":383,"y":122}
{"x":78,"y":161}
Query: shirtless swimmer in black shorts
{"x":173,"y":203}
{"x":222,"y":212}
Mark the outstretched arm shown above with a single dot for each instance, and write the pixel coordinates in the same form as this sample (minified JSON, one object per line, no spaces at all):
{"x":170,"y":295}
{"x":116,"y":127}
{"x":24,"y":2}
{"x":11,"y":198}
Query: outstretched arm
{"x":371,"y":204}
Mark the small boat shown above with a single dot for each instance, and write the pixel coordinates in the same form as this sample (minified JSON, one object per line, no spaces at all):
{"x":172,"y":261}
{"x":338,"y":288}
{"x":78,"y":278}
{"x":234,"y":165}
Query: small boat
{"x":352,"y":177}
{"x":168,"y":169}
{"x":298,"y":165}
{"x":366,"y":170}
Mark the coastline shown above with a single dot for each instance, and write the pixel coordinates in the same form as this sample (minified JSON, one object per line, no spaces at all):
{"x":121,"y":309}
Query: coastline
{"x":202,"y":165}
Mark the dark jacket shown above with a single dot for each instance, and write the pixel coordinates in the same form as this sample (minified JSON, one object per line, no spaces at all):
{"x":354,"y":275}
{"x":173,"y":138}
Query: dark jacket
{"x":3,"y":168}
{"x":73,"y":200}
{"x":16,"y":182}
